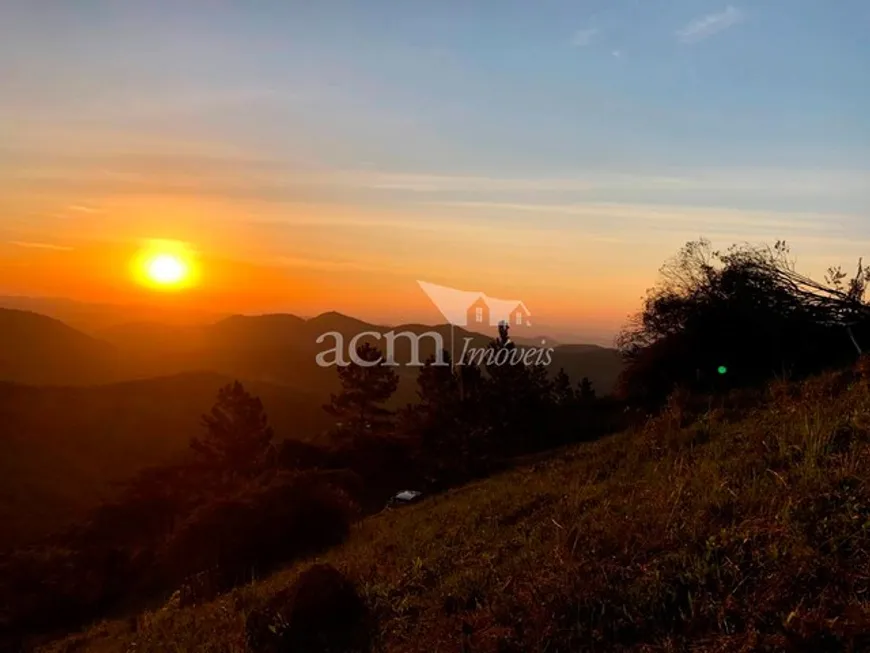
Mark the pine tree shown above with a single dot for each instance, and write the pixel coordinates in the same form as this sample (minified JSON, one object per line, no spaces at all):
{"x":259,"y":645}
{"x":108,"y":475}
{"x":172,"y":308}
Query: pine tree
{"x":563,"y":393}
{"x":437,"y":385}
{"x":451,"y":428}
{"x":364,"y":389}
{"x":238,"y":438}
{"x":586,"y":392}
{"x":518,"y":395}
{"x":436,"y":421}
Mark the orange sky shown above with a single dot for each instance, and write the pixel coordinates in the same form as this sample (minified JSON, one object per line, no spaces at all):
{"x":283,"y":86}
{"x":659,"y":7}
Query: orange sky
{"x":330,"y":171}
{"x":99,"y":271}
{"x":308,"y":258}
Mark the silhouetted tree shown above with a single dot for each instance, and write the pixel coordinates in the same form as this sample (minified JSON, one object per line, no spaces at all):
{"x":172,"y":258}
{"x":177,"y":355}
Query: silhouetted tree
{"x":438,"y":386}
{"x":563,"y":393}
{"x":445,"y":422}
{"x":299,"y":455}
{"x":238,"y":438}
{"x":517,"y":397}
{"x":585,"y":392}
{"x":471,"y":384}
{"x":365,"y":388}
{"x":745,"y":312}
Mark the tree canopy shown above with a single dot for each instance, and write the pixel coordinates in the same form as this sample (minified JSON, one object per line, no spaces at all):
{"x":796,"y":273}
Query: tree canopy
{"x":739,"y":317}
{"x":366,"y":386}
{"x":237,"y":437}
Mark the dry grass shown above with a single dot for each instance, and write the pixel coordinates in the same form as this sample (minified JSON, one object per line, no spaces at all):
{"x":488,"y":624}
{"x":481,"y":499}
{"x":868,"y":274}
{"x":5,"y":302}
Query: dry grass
{"x":730,"y":533}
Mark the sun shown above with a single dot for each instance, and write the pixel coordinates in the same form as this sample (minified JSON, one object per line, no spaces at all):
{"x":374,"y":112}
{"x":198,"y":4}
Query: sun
{"x":166,"y":270}
{"x":165,"y":265}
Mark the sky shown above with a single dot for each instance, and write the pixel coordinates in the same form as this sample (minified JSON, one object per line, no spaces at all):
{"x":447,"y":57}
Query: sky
{"x":327,"y":155}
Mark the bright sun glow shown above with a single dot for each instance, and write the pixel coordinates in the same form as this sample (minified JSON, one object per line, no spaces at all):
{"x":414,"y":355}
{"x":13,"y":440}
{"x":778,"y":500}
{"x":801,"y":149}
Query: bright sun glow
{"x":165,"y":265}
{"x":166,"y":269}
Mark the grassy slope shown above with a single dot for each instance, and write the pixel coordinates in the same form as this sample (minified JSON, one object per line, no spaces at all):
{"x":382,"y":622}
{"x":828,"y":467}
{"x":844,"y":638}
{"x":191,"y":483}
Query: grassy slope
{"x":733,"y":533}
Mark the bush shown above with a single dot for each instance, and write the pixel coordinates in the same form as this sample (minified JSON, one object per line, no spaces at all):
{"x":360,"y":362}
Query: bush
{"x":296,"y":454}
{"x":258,"y":528}
{"x":47,"y":587}
{"x":320,"y":613}
{"x":746,"y":312}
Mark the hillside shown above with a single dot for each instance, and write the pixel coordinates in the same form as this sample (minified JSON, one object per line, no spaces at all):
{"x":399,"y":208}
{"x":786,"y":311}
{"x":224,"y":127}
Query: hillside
{"x":40,"y":350}
{"x":743,"y":528}
{"x":63,"y":447}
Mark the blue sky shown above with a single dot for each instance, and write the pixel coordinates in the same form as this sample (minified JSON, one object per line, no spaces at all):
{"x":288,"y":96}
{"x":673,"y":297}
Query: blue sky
{"x":631,"y":124}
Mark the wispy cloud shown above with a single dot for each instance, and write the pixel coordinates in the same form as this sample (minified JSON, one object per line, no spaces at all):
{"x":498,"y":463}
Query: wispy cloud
{"x":768,"y":180}
{"x":37,"y":245}
{"x":583,"y":37}
{"x":426,"y":183}
{"x":230,"y":176}
{"x":327,"y":265}
{"x":617,"y":53}
{"x":705,"y":27}
{"x":631,"y":217}
{"x":83,"y":208}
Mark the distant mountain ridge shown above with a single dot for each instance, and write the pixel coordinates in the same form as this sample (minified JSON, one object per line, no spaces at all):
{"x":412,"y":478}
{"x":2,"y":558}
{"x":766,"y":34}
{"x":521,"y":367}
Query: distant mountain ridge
{"x":91,"y":317}
{"x":274,"y":348}
{"x":41,"y":350}
{"x":95,"y":318}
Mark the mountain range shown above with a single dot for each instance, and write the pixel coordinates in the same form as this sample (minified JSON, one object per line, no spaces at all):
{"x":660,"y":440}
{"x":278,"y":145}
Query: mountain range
{"x":81,"y":411}
{"x":279,"y":348}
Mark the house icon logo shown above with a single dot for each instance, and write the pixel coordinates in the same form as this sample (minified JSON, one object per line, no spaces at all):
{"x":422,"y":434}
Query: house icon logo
{"x":475,"y":309}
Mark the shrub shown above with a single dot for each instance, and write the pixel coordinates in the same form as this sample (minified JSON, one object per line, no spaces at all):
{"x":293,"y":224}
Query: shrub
{"x":258,"y":528}
{"x":322,"y":612}
{"x":746,"y":309}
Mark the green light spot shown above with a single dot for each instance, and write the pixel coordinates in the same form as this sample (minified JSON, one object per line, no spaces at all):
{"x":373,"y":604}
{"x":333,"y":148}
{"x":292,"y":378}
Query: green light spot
{"x":722,"y":369}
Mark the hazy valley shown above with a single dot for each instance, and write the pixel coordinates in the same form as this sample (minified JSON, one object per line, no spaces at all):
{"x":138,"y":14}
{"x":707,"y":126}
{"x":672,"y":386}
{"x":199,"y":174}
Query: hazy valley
{"x":83,"y":411}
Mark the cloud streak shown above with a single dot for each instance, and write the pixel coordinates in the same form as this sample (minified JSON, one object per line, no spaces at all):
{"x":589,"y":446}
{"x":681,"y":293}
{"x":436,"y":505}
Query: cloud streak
{"x":36,"y":245}
{"x":771,"y":180}
{"x":328,"y":265}
{"x":706,"y":26}
{"x":629,"y":218}
{"x":82,"y":208}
